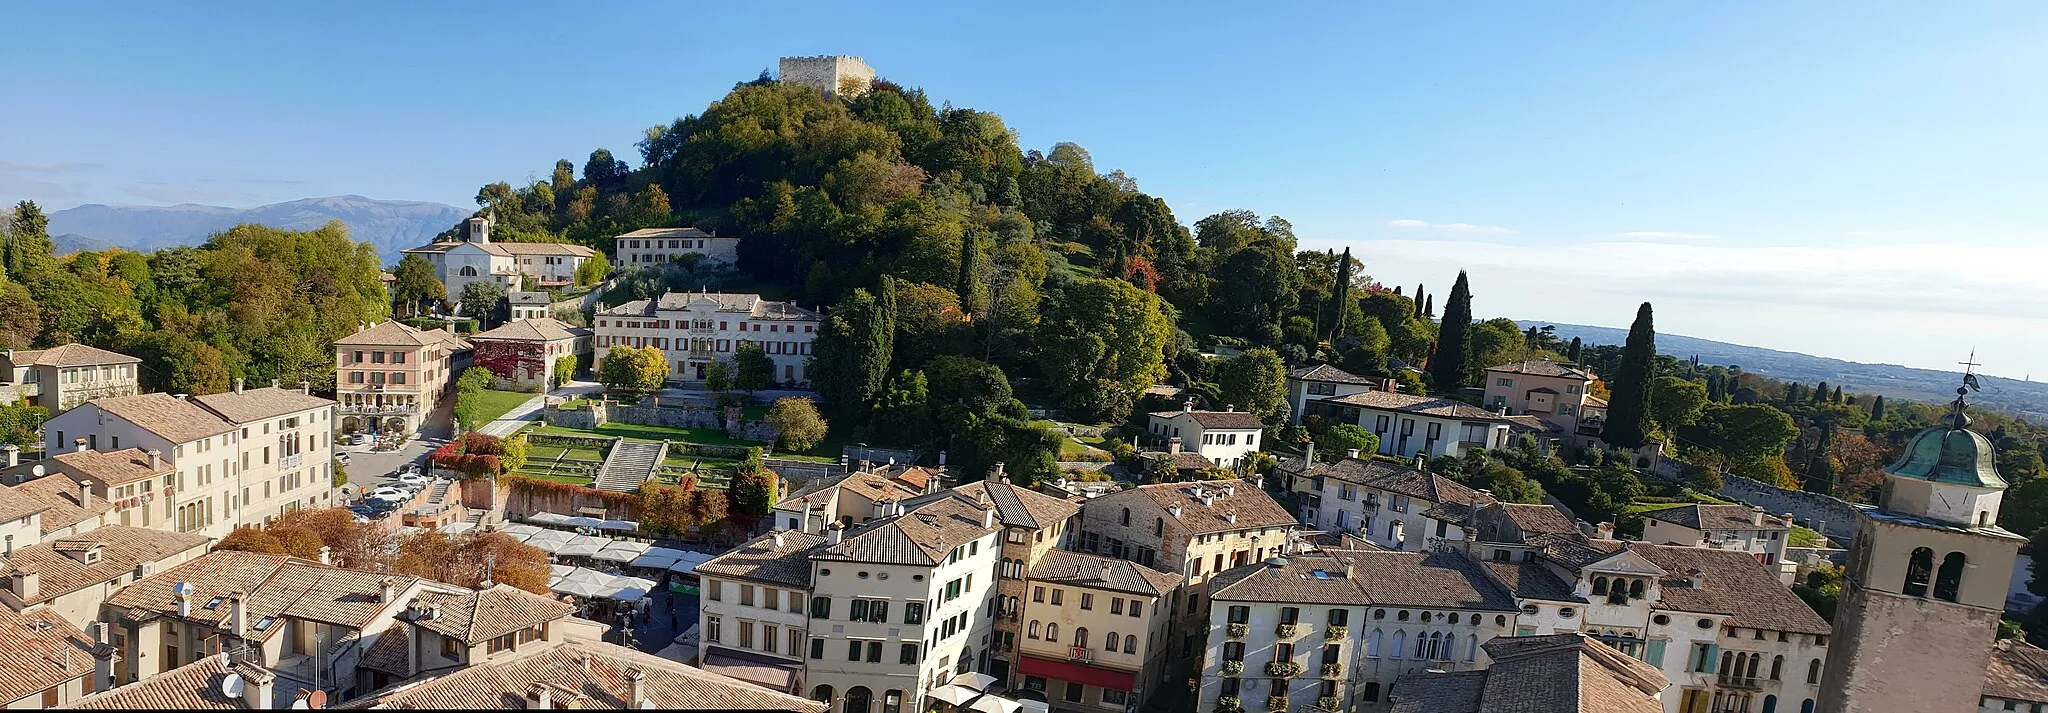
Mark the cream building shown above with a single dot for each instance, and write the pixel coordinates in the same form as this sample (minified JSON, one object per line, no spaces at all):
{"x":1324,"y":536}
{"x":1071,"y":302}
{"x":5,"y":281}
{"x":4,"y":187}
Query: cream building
{"x":1311,"y":383}
{"x":71,"y":576}
{"x":1035,"y":525}
{"x":1224,"y":437}
{"x":522,"y":353}
{"x":1333,"y":631}
{"x":1728,"y":527}
{"x":390,"y":376}
{"x":1409,"y":425}
{"x":658,"y":246}
{"x":165,"y":462}
{"x":474,"y":258}
{"x":62,"y":377}
{"x":286,"y":444}
{"x":752,"y":612}
{"x":694,"y":330}
{"x":1390,"y":505}
{"x":1098,"y":632}
{"x":1560,"y":394}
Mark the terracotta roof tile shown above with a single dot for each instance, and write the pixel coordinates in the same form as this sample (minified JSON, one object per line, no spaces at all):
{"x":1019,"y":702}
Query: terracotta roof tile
{"x":166,"y":416}
{"x":42,"y":650}
{"x":1233,"y":505}
{"x":762,"y":560}
{"x":1086,"y":570}
{"x":69,"y":355}
{"x":1715,"y":517}
{"x":391,"y":333}
{"x":1419,"y":579}
{"x":1331,"y":374}
{"x":121,"y":550}
{"x":544,"y":329}
{"x":920,"y":536}
{"x":683,"y":232}
{"x":1732,"y":583}
{"x":1532,"y":580}
{"x":58,"y":498}
{"x":1561,"y":673}
{"x":597,"y":672}
{"x":1390,"y":477}
{"x":258,"y":404}
{"x":389,"y":652}
{"x":113,"y":467}
{"x":1533,"y":519}
{"x":194,"y":686}
{"x":1021,"y":506}
{"x":1241,"y":420}
{"x":2018,"y":671}
{"x":1410,"y":403}
{"x":476,"y":617}
{"x":750,"y":305}
{"x":1544,"y":367}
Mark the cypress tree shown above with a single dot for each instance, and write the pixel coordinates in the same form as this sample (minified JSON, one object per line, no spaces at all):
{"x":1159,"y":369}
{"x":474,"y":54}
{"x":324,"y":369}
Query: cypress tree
{"x":1877,"y":409}
{"x":1418,"y":300}
{"x":1795,"y":392}
{"x":1716,"y":386}
{"x":1397,"y":288}
{"x":1453,"y":356}
{"x":1577,"y":347}
{"x":968,"y":284}
{"x":1628,"y":409}
{"x":1837,"y":396}
{"x":1340,"y":294}
{"x":1429,"y":305}
{"x":1820,"y":393}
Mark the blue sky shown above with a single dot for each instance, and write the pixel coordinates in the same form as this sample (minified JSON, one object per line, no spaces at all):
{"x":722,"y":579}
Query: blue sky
{"x":1848,"y":179}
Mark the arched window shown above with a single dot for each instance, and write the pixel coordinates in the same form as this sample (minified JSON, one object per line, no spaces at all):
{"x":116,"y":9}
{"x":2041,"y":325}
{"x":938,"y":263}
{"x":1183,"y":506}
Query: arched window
{"x":1110,"y":642}
{"x":1918,"y":570}
{"x":892,"y":702}
{"x":1081,"y":637}
{"x":1127,"y":517}
{"x":1599,"y":585}
{"x":1750,"y":671}
{"x":1471,"y":647}
{"x":1770,"y":704}
{"x":1400,"y":642}
{"x":1372,"y":644}
{"x":858,"y":699}
{"x":1635,"y":589}
{"x":1806,"y":707}
{"x":1813,"y":672}
{"x":1052,"y":631}
{"x":1728,"y":664}
{"x":1777,"y":668}
{"x":468,"y":271}
{"x":822,"y":694}
{"x":1032,"y":633}
{"x":1949,"y":581}
{"x":1130,"y":643}
{"x":1425,"y":646}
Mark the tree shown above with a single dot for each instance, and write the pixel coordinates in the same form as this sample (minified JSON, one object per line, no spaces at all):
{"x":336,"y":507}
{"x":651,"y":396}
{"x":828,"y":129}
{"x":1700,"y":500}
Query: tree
{"x":1747,"y":433}
{"x":249,"y":538}
{"x":966,"y":383}
{"x":1255,"y":288}
{"x":565,"y":369}
{"x":1101,"y":341}
{"x":1508,"y":484}
{"x":1628,"y":411}
{"x":633,"y":369}
{"x":29,"y":249}
{"x":415,"y":283}
{"x":929,"y":322}
{"x":1877,"y":409}
{"x":969,"y":285}
{"x":1336,"y":443}
{"x":1576,"y":347}
{"x":1676,"y":403}
{"x":1340,"y":297}
{"x":902,"y":414}
{"x":752,"y":369}
{"x":752,"y":491}
{"x":1449,"y":366}
{"x":593,"y":270}
{"x":483,"y":301}
{"x":718,"y":376}
{"x":851,"y":352}
{"x":797,"y":423}
{"x":1255,"y":381}
{"x":512,"y":453}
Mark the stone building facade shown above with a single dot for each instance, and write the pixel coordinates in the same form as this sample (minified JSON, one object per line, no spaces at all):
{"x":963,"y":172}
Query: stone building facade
{"x":694,"y":330}
{"x":837,"y":75}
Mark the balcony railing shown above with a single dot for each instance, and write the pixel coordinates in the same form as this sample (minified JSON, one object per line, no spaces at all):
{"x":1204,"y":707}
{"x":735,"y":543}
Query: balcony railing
{"x":1328,"y":703}
{"x":291,"y":461}
{"x":1333,"y":670}
{"x":1742,"y":682}
{"x":347,"y":410}
{"x":1283,"y":669}
{"x":1080,"y":653}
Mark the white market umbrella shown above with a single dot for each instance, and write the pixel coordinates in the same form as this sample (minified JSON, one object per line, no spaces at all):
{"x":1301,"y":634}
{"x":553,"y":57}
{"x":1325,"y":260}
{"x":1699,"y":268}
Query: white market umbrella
{"x":550,"y":541}
{"x":520,"y":531}
{"x":995,"y":704}
{"x":558,"y":571}
{"x":581,"y":589}
{"x":456,"y":528}
{"x":977,"y":681}
{"x":588,"y":576}
{"x":616,"y":525}
{"x":626,"y":589}
{"x":952,"y":694}
{"x":547,"y":518}
{"x":650,"y":561}
{"x":621,"y":551}
{"x":581,"y":521}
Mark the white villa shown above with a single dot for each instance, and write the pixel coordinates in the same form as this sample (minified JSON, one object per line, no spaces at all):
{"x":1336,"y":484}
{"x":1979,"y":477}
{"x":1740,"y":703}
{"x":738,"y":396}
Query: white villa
{"x":696,"y":330}
{"x":474,"y":257}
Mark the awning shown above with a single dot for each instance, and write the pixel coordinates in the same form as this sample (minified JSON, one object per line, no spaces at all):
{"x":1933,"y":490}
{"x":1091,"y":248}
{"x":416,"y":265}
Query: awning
{"x":952,"y":694}
{"x":775,"y":675}
{"x":1077,"y":673}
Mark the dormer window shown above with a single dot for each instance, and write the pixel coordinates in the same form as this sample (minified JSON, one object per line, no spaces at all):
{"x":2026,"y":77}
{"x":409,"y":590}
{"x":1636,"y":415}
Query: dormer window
{"x":92,"y":556}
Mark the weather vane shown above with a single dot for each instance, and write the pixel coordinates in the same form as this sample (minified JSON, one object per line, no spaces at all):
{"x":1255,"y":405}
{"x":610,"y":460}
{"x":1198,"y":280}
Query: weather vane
{"x":1957,"y":418}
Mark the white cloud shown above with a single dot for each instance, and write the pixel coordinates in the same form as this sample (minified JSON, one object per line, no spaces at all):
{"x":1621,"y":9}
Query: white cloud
{"x":1467,"y":228}
{"x":1666,"y":235}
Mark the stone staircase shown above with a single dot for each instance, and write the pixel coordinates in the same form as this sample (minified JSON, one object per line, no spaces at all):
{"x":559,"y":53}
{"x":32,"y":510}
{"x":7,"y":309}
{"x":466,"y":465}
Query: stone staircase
{"x":439,"y":494}
{"x":630,"y":464}
{"x":476,"y":517}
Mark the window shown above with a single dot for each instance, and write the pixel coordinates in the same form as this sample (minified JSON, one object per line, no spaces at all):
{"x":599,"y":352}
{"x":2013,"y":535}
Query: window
{"x":1081,"y":637}
{"x":853,"y":651}
{"x":1073,"y":692}
{"x":1056,"y":596}
{"x":908,"y":655}
{"x":821,"y":607}
{"x":913,"y":612}
{"x":1136,"y":606}
{"x":1126,"y":520}
{"x":1504,"y":382}
{"x":1813,"y":671}
{"x":1116,"y":605}
{"x":711,"y":629}
{"x":1087,"y":600}
{"x":1919,"y":569}
{"x":1052,"y":631}
{"x":1032,"y":633}
{"x":1038,"y":594}
{"x":1240,"y":614}
{"x":1949,"y":581}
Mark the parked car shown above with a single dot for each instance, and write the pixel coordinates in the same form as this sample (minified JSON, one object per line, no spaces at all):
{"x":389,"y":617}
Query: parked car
{"x":341,"y":458}
{"x":411,"y":478}
{"x":390,"y":493}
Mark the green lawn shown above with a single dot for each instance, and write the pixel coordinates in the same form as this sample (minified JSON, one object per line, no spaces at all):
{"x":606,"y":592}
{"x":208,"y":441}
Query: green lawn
{"x":1802,"y":537}
{"x":493,"y":404}
{"x":707,"y":436}
{"x":570,"y":479}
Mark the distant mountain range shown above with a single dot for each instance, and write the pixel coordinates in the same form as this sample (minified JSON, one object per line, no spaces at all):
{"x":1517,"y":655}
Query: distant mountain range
{"x":390,"y":225}
{"x":2027,"y":399}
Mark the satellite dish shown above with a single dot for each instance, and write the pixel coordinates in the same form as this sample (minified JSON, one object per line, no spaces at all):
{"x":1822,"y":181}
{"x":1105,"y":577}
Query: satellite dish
{"x":317,"y":700}
{"x":183,"y":588}
{"x":300,"y":705}
{"x":231,"y":686}
{"x":37,"y":470}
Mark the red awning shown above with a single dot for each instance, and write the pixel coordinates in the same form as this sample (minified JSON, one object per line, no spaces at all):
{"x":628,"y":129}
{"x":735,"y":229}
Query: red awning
{"x":1078,"y":673}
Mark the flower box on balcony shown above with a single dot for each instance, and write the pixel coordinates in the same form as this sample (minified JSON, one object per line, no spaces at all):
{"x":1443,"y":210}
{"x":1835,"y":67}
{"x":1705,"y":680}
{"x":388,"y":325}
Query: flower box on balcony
{"x":1237,"y":631}
{"x":1228,"y":704}
{"x":1333,"y":670}
{"x":1286,"y":630}
{"x":1328,"y":703}
{"x":1283,"y":669}
{"x":1232,"y":668}
{"x":1276,"y":703}
{"x":1337,"y":633}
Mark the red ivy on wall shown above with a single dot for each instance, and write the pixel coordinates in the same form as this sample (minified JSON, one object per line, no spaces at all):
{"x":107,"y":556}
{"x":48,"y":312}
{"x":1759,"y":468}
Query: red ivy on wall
{"x":507,"y":360}
{"x":474,"y":455}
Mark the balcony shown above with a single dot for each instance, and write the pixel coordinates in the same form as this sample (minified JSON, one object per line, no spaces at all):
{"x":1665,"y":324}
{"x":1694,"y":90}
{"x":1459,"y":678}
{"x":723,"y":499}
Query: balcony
{"x":1336,"y":633}
{"x":291,"y":461}
{"x":1333,"y":670}
{"x":1237,"y":630}
{"x":1283,"y":669}
{"x":1286,"y":631}
{"x":408,"y":410}
{"x":1232,"y":668}
{"x":1329,"y":703}
{"x":1745,"y":683}
{"x":1081,"y":653}
{"x":1228,"y":704}
{"x":1276,"y":703}
{"x":1370,"y":503}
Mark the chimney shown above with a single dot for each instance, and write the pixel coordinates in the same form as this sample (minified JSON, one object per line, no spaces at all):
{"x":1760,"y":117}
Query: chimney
{"x":1699,"y":579}
{"x":1606,"y":530}
{"x":238,"y":385}
{"x":634,"y":688}
{"x":1230,"y":517}
{"x":835,"y":532}
{"x":387,"y":590}
{"x":1173,"y":510}
{"x":85,"y":494}
{"x":1756,"y":516}
{"x":1002,"y":477}
{"x":273,"y":383}
{"x":1105,"y":572}
{"x":102,"y":664}
{"x":988,"y":516}
{"x":238,"y":616}
{"x":1351,"y":453}
{"x":778,"y":539}
{"x":1229,"y":490}
{"x":537,"y":697}
{"x":182,"y":397}
{"x":1188,"y":405}
{"x":1350,"y":569}
{"x":1422,"y":461}
{"x":1227,"y":408}
{"x":257,"y":685}
{"x":881,"y":509}
{"x":13,"y":454}
{"x":78,"y":445}
{"x":156,"y":459}
{"x":1173,"y":445}
{"x":897,"y":507}
{"x":326,"y":555}
{"x":305,"y":387}
{"x":1309,"y":459}
{"x":25,"y":585}
{"x":1208,"y":500}
{"x":184,"y":598}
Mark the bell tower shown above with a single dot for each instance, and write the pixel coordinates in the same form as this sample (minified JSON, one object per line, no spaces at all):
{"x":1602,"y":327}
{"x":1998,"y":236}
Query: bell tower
{"x":1926,"y":581}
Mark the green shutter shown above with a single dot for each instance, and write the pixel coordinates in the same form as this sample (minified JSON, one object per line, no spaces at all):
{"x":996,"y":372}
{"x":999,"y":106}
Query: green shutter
{"x":1713,"y":655}
{"x":1653,"y":653}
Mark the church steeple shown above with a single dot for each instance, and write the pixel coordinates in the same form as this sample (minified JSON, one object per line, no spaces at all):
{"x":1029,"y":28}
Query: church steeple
{"x":1948,"y":472}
